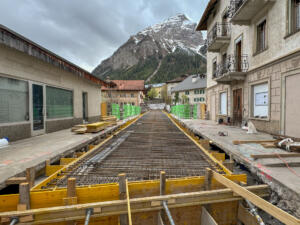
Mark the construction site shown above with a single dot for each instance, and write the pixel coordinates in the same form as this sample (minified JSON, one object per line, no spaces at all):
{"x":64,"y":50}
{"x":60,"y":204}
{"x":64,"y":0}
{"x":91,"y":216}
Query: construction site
{"x":148,"y":169}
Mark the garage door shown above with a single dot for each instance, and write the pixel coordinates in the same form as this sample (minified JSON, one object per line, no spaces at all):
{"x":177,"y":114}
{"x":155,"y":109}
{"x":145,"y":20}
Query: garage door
{"x":292,"y":107}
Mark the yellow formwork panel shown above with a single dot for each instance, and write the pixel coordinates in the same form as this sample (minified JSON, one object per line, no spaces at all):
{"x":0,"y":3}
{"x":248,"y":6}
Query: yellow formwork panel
{"x":51,"y":169}
{"x":219,"y":156}
{"x":109,"y":192}
{"x":66,"y":161}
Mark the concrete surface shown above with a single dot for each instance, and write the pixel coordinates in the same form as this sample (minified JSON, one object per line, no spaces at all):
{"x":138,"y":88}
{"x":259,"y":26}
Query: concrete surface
{"x":34,"y":151}
{"x":285,"y":181}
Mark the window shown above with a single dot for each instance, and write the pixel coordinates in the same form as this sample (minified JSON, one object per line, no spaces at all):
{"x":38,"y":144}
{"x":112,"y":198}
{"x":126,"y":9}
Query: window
{"x":294,"y":16}
{"x":187,"y":92}
{"x":14,"y":106}
{"x":214,"y":68}
{"x":260,"y":99}
{"x":261,"y":37}
{"x":195,"y":99}
{"x":202,"y":99}
{"x":59,"y":103}
{"x":132,"y":95}
{"x":223,"y":103}
{"x":196,"y":92}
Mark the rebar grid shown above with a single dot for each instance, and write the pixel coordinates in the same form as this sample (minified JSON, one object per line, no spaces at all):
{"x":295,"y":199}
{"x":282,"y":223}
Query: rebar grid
{"x":151,"y":145}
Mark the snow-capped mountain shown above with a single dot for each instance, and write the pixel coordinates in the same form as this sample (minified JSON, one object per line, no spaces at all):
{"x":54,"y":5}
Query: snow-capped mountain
{"x":176,"y":34}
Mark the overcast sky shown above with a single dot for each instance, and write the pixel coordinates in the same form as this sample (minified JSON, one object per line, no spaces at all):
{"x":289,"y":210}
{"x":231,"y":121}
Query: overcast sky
{"x":88,"y":31}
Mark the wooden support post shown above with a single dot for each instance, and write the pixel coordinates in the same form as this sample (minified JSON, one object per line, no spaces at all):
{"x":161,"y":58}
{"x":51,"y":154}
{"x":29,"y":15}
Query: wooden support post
{"x":71,"y":195}
{"x":128,"y":204}
{"x":206,"y":218}
{"x":24,"y":196}
{"x":122,"y":195}
{"x":30,"y":175}
{"x":274,"y":211}
{"x":24,"y":201}
{"x":229,"y":164}
{"x":207,"y":179}
{"x":71,"y":188}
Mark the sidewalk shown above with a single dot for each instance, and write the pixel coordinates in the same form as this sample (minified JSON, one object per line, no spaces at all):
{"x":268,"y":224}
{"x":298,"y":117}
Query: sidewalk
{"x":34,"y":151}
{"x":285,"y":180}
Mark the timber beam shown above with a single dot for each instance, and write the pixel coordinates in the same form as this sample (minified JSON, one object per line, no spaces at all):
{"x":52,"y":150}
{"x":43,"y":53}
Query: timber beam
{"x":118,"y":207}
{"x":259,"y":202}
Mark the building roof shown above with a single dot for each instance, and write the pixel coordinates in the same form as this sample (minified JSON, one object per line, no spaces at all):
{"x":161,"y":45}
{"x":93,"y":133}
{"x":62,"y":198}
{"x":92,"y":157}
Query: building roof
{"x":202,"y":25}
{"x":192,"y":82}
{"x":178,"y":79}
{"x":14,"y":40}
{"x":126,"y":85}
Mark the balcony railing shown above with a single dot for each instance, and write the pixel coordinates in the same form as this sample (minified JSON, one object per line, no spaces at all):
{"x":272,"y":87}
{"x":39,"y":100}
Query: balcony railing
{"x":235,"y":6}
{"x":234,"y":65}
{"x":219,"y":33}
{"x":241,"y":12}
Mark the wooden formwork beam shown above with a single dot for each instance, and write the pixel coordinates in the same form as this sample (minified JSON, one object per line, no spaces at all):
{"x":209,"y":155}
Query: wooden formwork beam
{"x":119,"y":207}
{"x":257,"y":201}
{"x":128,"y":204}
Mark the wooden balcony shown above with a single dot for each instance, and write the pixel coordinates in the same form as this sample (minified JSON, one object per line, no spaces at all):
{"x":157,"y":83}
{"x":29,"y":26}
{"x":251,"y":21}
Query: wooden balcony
{"x":242,"y":11}
{"x":218,"y":37}
{"x":235,"y":68}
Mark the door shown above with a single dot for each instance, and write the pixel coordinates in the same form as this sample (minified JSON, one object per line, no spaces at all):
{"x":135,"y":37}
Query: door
{"x":238,"y":56}
{"x":84,"y":106}
{"x":213,"y":107}
{"x":292,"y":107}
{"x":38,"y":109}
{"x":237,"y":106}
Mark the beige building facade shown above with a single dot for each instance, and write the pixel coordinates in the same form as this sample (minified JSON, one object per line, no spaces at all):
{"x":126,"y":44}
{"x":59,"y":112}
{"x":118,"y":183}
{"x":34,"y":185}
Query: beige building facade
{"x":193,"y":89}
{"x":40,"y":91}
{"x":124,"y":92}
{"x":253,"y":63}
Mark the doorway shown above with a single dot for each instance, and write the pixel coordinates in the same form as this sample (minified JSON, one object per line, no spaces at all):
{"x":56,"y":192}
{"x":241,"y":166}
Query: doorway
{"x":238,"y":55}
{"x":237,"y":106}
{"x":84,"y":106}
{"x":38,"y":109}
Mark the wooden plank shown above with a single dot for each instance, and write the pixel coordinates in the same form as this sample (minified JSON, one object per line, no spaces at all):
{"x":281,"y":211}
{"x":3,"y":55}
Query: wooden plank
{"x":206,"y":218}
{"x":24,"y":196}
{"x":162,"y":191}
{"x":229,"y":164}
{"x":128,"y":204}
{"x":239,"y":142}
{"x":118,"y":207}
{"x":122,"y":195}
{"x":71,"y":195}
{"x":256,"y":200}
{"x":65,"y":161}
{"x":246,"y":217}
{"x":283,"y":155}
{"x":207,"y":179}
{"x":15,"y":180}
{"x":30,"y":175}
{"x":80,"y":130}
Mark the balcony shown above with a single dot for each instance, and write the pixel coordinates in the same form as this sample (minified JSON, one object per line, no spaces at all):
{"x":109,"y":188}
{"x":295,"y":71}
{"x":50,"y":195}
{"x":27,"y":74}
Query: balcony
{"x":218,"y":37}
{"x":234,"y":69}
{"x":242,"y":11}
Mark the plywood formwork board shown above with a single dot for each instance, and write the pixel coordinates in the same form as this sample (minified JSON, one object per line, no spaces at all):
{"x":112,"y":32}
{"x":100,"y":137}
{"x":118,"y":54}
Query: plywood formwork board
{"x":65,"y":161}
{"x":75,"y":212}
{"x":109,"y":192}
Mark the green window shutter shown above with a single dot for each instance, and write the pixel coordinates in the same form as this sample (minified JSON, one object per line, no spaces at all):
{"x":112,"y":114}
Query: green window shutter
{"x":59,"y":103}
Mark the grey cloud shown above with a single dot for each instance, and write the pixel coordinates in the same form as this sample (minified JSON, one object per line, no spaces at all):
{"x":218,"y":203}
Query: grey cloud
{"x":86,"y":32}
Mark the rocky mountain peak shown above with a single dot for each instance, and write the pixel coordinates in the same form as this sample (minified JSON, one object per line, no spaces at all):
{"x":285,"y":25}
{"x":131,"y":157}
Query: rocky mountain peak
{"x":176,"y":33}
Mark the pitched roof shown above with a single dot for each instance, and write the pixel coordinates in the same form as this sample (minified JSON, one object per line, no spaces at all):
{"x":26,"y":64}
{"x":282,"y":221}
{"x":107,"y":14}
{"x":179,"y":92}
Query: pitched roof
{"x":126,"y":85}
{"x":192,"y":82}
{"x":14,"y":40}
{"x":202,"y":25}
{"x":178,"y":79}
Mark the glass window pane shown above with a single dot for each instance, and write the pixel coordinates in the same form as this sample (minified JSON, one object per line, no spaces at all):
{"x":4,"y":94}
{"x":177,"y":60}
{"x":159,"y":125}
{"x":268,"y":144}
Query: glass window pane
{"x":13,"y":100}
{"x":59,"y":103}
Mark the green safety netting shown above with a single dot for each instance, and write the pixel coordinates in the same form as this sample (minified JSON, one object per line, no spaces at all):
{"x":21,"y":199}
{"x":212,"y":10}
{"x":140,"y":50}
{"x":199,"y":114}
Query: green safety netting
{"x":181,"y":111}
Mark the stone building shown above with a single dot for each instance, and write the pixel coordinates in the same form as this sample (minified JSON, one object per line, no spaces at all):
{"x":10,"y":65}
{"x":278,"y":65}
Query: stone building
{"x":41,"y":92}
{"x":124,"y":92}
{"x":193,"y":87}
{"x":253,"y":62}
